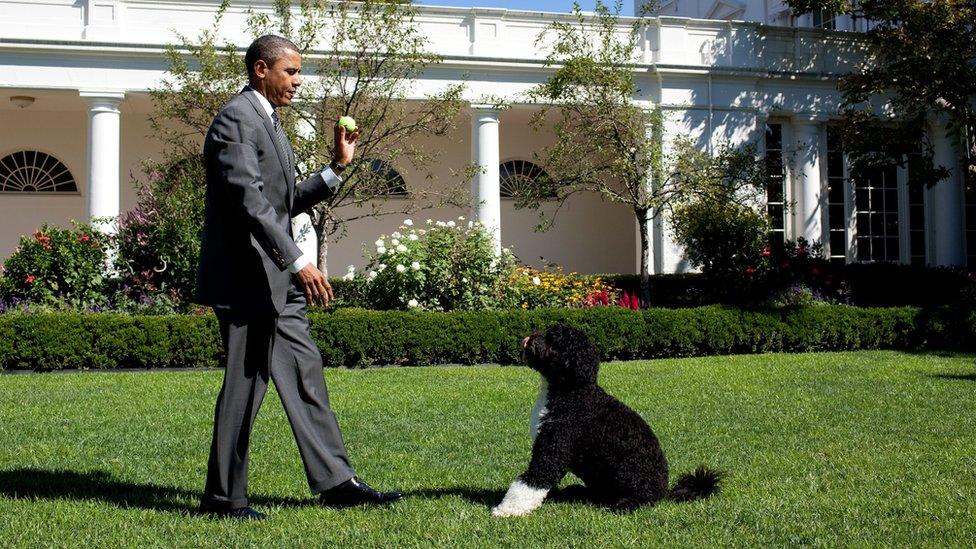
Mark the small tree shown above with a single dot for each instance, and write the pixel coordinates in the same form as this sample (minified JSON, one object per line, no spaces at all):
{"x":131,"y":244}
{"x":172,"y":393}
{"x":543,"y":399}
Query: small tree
{"x":922,"y":61}
{"x":605,"y":143}
{"x":362,"y":59}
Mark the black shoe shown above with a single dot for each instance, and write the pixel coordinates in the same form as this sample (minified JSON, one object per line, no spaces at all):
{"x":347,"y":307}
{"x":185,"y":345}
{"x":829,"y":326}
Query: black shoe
{"x":241,"y":513}
{"x":356,"y":492}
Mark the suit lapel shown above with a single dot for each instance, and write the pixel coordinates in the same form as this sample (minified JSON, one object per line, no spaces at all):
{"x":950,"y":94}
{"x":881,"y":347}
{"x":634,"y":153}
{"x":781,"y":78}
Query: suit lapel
{"x":282,"y":155}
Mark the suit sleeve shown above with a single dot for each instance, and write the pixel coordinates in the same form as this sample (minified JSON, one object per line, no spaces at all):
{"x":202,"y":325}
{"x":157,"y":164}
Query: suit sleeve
{"x":315,"y":189}
{"x":237,"y":161}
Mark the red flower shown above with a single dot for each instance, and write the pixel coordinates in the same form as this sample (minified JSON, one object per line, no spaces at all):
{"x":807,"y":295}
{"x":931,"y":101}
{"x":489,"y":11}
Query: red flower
{"x":29,"y":279}
{"x":766,"y":252}
{"x":84,"y":238}
{"x":750,"y":270}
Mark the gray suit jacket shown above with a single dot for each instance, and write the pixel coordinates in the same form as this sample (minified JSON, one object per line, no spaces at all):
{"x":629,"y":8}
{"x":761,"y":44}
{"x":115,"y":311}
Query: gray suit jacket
{"x":251,"y":197}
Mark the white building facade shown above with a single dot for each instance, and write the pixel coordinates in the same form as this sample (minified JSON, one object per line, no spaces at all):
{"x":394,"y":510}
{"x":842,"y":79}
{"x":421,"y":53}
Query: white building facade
{"x":74,"y":129}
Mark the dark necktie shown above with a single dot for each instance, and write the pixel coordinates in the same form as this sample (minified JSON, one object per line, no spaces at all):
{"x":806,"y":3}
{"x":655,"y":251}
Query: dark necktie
{"x":282,"y":139}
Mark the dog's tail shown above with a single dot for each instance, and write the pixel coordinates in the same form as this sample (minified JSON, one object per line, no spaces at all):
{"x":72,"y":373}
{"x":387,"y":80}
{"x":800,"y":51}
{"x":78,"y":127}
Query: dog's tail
{"x":703,"y":482}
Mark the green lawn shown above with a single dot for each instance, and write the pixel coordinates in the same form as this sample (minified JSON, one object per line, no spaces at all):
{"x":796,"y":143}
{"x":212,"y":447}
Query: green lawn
{"x":862,"y":449}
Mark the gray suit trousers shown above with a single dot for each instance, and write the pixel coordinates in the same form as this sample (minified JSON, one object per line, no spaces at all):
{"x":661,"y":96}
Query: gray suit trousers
{"x":258,"y":347}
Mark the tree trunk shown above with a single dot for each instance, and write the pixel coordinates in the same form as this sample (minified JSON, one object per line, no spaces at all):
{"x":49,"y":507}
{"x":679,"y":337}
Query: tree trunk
{"x":319,"y":225}
{"x":645,"y":275}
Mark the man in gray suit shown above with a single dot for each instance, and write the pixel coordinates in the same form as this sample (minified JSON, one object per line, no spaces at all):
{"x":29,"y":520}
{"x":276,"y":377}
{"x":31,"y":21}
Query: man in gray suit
{"x":258,"y":283}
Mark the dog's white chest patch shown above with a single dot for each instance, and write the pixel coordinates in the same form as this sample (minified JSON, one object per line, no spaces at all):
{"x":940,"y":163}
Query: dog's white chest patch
{"x":539,"y":411}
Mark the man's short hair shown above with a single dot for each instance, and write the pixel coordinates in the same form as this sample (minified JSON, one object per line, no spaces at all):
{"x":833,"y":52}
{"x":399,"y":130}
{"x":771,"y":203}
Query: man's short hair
{"x":269,"y":48}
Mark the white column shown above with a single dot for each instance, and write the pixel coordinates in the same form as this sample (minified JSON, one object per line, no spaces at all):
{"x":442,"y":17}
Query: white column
{"x":103,"y":157}
{"x":808,"y":184}
{"x":485,"y":186}
{"x":947,"y":201}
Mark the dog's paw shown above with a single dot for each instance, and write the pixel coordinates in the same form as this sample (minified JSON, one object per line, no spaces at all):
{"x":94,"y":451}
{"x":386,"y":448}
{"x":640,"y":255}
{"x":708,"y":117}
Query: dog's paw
{"x":509,"y":511}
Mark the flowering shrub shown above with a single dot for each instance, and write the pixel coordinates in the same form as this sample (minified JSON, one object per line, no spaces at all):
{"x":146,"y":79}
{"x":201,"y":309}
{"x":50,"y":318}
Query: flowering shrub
{"x":57,"y":267}
{"x":443,"y":266}
{"x":553,"y":288}
{"x":159,"y":240}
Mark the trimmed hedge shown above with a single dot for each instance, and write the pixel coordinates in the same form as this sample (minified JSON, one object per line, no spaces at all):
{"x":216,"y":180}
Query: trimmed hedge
{"x":361,"y":338}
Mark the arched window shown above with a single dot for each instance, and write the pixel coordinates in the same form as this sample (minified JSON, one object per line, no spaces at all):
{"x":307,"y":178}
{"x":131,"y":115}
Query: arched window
{"x":35,"y":172}
{"x":517,"y":175}
{"x":391,"y":182}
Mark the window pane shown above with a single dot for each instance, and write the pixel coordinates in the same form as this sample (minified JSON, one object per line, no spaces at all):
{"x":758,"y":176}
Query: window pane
{"x":918,"y":243}
{"x":835,"y":217}
{"x":891,"y":224}
{"x":835,"y":190}
{"x":835,"y":164}
{"x":774,"y":136}
{"x":892,"y":249}
{"x":878,"y":249}
{"x":877,"y":199}
{"x":774,"y":190}
{"x":891,"y":201}
{"x":864,"y":248}
{"x":917,"y":218}
{"x":838,"y":243}
{"x":862,"y":203}
{"x":863,"y":224}
{"x":776,"y":216}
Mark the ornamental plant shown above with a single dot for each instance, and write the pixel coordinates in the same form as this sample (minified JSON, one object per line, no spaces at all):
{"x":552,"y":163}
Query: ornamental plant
{"x":57,"y":267}
{"x":443,"y":266}
{"x":158,"y":241}
{"x":553,"y":288}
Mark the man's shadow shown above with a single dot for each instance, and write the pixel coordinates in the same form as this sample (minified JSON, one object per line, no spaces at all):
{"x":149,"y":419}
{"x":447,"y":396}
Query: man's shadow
{"x":102,"y":486}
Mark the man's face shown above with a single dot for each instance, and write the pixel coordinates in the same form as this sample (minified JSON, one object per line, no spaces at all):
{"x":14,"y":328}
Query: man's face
{"x":280,"y":81}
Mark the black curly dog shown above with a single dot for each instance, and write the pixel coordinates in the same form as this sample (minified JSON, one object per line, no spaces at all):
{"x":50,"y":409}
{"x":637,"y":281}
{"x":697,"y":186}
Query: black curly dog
{"x":582,"y":429}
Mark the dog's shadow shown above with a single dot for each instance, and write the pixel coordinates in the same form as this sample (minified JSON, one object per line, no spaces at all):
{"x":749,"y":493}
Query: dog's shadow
{"x":479,"y":496}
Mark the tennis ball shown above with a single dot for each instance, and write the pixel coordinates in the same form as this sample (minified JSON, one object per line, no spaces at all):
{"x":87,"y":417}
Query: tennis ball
{"x":348,"y":122}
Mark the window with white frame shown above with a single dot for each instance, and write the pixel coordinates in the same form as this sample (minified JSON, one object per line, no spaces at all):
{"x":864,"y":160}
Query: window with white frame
{"x":824,"y":19}
{"x":880,"y":217}
{"x":837,"y":199}
{"x":516,"y":176}
{"x":775,"y":184}
{"x":35,"y":172}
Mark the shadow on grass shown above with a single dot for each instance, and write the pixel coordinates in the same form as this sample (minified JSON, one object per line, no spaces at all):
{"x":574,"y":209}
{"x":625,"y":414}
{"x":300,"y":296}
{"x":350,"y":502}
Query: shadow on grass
{"x":480,"y":496}
{"x":102,"y":486}
{"x":964,"y":377}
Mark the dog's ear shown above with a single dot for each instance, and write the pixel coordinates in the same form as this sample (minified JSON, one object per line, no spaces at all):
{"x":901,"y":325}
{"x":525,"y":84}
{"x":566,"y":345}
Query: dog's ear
{"x":573,"y":358}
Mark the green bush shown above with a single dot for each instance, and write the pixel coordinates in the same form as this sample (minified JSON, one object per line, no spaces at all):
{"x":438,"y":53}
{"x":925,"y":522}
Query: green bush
{"x":57,"y":267}
{"x":159,"y":240}
{"x":446,"y":266}
{"x":363,"y":338}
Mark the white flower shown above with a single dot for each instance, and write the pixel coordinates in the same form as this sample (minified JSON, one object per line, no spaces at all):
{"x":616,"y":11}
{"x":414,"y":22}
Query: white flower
{"x":381,"y":250}
{"x":380,"y":243}
{"x":536,"y":281}
{"x":415,"y":266}
{"x":441,"y":224}
{"x":633,"y":150}
{"x":382,"y":267}
{"x":451,"y":224}
{"x":396,"y":235}
{"x":412,"y":303}
{"x":401,"y":248}
{"x":372,"y":275}
{"x":413,"y":237}
{"x":349,"y":276}
{"x":400,"y":268}
{"x":464,"y":280}
{"x":422,"y":232}
{"x":351,"y":269}
{"x":429,"y":221}
{"x":460,"y":218}
{"x":470,"y":224}
{"x":395,"y":242}
{"x":408,"y":222}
